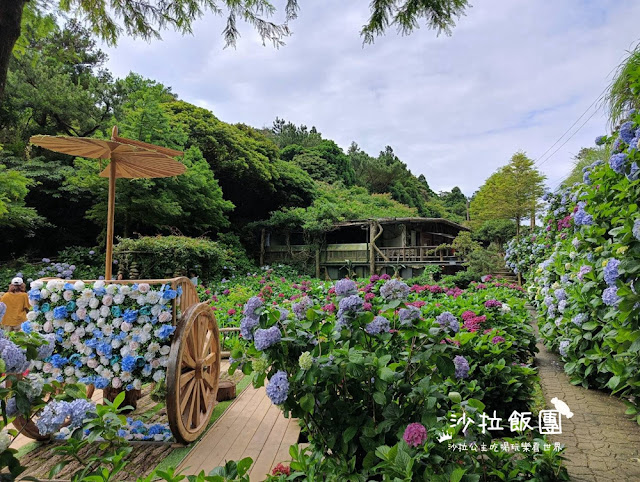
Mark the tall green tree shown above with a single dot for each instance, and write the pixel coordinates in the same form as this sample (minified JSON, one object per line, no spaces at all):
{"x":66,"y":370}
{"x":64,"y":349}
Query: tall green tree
{"x":512,"y":192}
{"x":111,"y":18}
{"x":585,"y":157}
{"x":455,"y":201}
{"x":624,"y":91}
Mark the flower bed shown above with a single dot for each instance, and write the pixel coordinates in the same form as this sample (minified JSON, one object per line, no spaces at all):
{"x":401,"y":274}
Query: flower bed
{"x":102,"y":334}
{"x":378,"y":369}
{"x":586,"y":282}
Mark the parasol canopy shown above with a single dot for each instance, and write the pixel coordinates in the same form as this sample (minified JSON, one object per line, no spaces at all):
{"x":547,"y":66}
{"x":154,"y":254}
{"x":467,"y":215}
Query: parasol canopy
{"x":129,"y":159}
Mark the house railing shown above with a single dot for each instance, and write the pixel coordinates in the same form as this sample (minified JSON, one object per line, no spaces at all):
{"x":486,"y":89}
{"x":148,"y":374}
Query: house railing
{"x":415,"y":254}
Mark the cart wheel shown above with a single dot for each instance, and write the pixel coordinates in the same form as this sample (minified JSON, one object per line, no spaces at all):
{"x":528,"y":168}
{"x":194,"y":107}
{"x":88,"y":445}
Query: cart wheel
{"x":193,"y":373}
{"x":28,"y":427}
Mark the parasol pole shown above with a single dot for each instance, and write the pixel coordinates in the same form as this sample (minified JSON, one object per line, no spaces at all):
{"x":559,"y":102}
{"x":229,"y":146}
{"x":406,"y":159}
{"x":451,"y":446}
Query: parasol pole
{"x":111,"y":212}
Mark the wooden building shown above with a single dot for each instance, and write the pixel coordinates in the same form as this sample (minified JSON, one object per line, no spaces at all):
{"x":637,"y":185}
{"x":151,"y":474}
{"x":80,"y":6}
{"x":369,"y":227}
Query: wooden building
{"x":387,"y":245}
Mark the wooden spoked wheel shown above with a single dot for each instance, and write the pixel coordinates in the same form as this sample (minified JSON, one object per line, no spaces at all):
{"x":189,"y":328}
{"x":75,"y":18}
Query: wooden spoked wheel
{"x":28,"y":428}
{"x":193,"y":373}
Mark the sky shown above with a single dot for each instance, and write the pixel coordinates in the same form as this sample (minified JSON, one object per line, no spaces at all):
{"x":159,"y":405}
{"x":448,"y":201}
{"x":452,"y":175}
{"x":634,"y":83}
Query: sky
{"x":514,"y":75}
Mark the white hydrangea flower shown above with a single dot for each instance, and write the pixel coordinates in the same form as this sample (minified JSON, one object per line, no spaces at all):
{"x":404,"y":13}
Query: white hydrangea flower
{"x":143,"y":319}
{"x":55,"y":297}
{"x":71,"y":379}
{"x":47,"y":367}
{"x":87,"y":350}
{"x":147,"y":328}
{"x":164,"y":361}
{"x":104,"y":360}
{"x":81,"y":313}
{"x":118,"y":299}
{"x":144,"y":288}
{"x":116,"y":322}
{"x":36,"y":285}
{"x":158,"y":375}
{"x":44,"y":293}
{"x":116,"y":382}
{"x":153,"y":297}
{"x":58,"y":323}
{"x":94,"y":314}
{"x":37,"y":364}
{"x":32,"y":315}
{"x":125,"y":350}
{"x":111,"y":289}
{"x":48,"y":316}
{"x":78,"y":285}
{"x":101,"y":322}
{"x":90,"y":327}
{"x":126,"y":326}
{"x":134,"y":345}
{"x":155,"y":363}
{"x":125,"y":289}
{"x":116,"y":368}
{"x":165,"y":349}
{"x":66,"y":344}
{"x":107,"y":330}
{"x":98,"y":284}
{"x":47,"y":327}
{"x":165,"y":316}
{"x":116,"y":344}
{"x":68,"y":295}
{"x":82,"y":302}
{"x":94,"y":303}
{"x":108,"y":374}
{"x":92,"y":363}
{"x":69,"y":371}
{"x":88,"y":293}
{"x":155,"y":310}
{"x":126,"y":376}
{"x":104,"y":311}
{"x":149,"y":356}
{"x":69,"y":327}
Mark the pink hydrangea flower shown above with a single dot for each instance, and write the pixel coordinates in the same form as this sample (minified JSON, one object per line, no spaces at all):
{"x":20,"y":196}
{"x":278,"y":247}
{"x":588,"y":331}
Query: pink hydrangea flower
{"x":415,"y":434}
{"x":367,"y":306}
{"x":231,"y":312}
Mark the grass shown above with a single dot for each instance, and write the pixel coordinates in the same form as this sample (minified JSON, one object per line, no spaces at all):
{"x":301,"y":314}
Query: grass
{"x":25,"y":449}
{"x":177,"y":456}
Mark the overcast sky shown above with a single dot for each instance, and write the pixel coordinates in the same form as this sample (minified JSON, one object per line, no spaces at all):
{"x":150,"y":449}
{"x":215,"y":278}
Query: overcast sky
{"x":514,"y":75}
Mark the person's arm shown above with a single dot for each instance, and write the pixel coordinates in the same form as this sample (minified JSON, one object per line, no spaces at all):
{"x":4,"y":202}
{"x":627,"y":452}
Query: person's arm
{"x":27,"y":306}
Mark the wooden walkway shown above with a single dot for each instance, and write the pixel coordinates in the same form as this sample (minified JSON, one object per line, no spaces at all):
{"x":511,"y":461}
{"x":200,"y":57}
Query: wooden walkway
{"x":251,"y":427}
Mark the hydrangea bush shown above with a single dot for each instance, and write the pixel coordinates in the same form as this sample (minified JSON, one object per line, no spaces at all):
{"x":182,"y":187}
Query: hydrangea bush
{"x":586,"y":278}
{"x":104,"y":334}
{"x":376,"y":367}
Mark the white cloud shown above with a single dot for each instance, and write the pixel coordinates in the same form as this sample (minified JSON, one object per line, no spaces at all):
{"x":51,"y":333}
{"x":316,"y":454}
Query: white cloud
{"x":514,"y":75}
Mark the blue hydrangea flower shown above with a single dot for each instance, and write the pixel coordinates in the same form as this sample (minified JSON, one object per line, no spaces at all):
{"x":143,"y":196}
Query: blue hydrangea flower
{"x":448,"y":321}
{"x":379,"y":325}
{"x":169,"y":294}
{"x":600,"y":140}
{"x":560,"y":294}
{"x":636,"y":229}
{"x":78,"y":410}
{"x":13,"y":356}
{"x":283,"y":313}
{"x":278,"y":388}
{"x":579,"y":319}
{"x":627,"y":132}
{"x":60,"y":313}
{"x":394,"y":290}
{"x":611,"y":271}
{"x":349,"y":306}
{"x":634,"y":173}
{"x":610,"y":296}
{"x":581,"y":217}
{"x":46,"y":349}
{"x":408,"y":315}
{"x":130,"y":316}
{"x":101,"y":383}
{"x":462,"y":367}
{"x":26,"y":327}
{"x":165,"y":331}
{"x":264,"y":338}
{"x":346,"y":287}
{"x":34,"y":294}
{"x":564,"y":344}
{"x":617,"y":162}
{"x":247,"y":324}
{"x":128,"y":363}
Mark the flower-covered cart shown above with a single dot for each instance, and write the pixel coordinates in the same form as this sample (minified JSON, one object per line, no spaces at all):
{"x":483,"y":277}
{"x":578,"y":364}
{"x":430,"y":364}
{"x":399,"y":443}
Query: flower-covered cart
{"x":125,"y":334}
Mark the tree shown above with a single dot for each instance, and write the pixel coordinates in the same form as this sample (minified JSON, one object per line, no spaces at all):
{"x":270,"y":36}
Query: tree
{"x":584,"y":158}
{"x":455,"y":201}
{"x":512,"y":192}
{"x":624,"y":91}
{"x":109,"y":19}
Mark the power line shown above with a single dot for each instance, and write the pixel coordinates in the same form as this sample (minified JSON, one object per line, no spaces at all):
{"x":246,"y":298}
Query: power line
{"x":572,"y":125}
{"x":569,"y":138}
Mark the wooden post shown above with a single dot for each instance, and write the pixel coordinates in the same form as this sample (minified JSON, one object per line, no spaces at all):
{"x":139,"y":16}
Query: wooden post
{"x":372,"y":254}
{"x":317,"y":262}
{"x":110,"y":218}
{"x":262,"y":236}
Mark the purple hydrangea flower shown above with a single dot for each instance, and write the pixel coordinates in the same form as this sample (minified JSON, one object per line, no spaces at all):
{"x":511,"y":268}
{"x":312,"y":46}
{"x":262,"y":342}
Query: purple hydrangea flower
{"x":46,"y":349}
{"x":346,"y":287}
{"x":247,"y":324}
{"x":300,"y":308}
{"x":379,"y":325}
{"x":263,"y":339}
{"x":492,"y":304}
{"x":278,"y":388}
{"x":575,"y":242}
{"x":497,"y":339}
{"x":634,"y":172}
{"x":251,"y":306}
{"x":349,"y":305}
{"x":564,"y":344}
{"x":462,"y":366}
{"x":408,"y":315}
{"x":617,"y":162}
{"x":610,"y":296}
{"x":447,"y":321}
{"x":415,"y":435}
{"x":579,"y":319}
{"x":611,"y":272}
{"x":583,"y":271}
{"x":548,"y":301}
{"x":560,"y":294}
{"x":394,"y":290}
{"x":581,"y":217}
{"x":562,"y":306}
{"x":600,"y":140}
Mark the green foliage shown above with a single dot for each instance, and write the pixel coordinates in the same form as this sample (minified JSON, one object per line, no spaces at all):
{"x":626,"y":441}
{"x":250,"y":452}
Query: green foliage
{"x":335,"y":203}
{"x":13,"y":212}
{"x":512,"y":192}
{"x":157,"y":257}
{"x":461,"y":279}
{"x":584,"y":158}
{"x":624,"y":91}
{"x":497,"y":231}
{"x":456,"y":203}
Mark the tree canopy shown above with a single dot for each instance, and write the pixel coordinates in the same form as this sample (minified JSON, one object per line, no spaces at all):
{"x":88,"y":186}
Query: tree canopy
{"x":512,"y":192}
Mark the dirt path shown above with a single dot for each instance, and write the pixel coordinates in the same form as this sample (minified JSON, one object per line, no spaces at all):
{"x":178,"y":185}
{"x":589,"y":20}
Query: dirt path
{"x":602,"y":444}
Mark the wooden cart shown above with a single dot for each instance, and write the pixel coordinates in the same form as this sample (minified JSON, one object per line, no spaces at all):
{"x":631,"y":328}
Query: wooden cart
{"x":193,"y":371}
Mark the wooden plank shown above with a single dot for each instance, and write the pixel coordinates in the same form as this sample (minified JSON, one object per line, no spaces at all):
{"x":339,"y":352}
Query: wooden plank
{"x":238,"y":448}
{"x":223,"y":432}
{"x":262,"y":465}
{"x":290,"y":437}
{"x":262,"y":434}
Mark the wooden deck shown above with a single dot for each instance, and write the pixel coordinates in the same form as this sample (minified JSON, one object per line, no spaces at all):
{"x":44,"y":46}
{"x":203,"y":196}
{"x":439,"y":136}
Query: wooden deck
{"x":251,"y":427}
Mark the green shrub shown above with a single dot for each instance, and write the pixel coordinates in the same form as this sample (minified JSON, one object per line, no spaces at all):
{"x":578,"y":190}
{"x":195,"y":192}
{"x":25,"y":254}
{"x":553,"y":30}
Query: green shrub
{"x":156,"y":257}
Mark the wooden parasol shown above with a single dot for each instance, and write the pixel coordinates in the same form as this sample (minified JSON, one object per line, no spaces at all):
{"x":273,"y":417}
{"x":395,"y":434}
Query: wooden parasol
{"x":129,"y":159}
